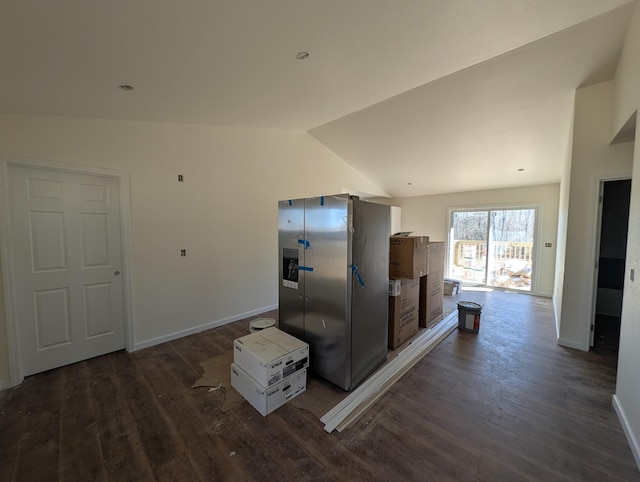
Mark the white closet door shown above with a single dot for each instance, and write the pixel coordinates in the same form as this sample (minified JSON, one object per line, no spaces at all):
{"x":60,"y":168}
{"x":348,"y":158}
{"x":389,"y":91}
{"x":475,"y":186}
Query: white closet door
{"x":67,"y":247}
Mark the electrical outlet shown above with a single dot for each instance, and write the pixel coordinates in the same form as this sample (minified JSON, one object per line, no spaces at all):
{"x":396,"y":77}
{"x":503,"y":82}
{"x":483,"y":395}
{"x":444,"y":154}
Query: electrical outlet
{"x":183,"y":252}
{"x":548,"y":245}
{"x":180,"y":178}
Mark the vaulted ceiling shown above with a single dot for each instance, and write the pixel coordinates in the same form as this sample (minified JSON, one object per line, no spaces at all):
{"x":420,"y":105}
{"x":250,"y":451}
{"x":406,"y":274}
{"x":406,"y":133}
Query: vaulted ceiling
{"x":421,"y":97}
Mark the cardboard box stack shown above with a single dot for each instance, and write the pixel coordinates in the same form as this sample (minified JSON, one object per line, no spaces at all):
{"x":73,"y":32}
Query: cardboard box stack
{"x":407,"y":263}
{"x":432,"y":285}
{"x":269,"y":368}
{"x":403,"y":312}
{"x":408,"y":256}
{"x":416,"y":286}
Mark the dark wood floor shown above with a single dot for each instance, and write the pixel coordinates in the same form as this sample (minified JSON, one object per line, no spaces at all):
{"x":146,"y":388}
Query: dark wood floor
{"x":504,"y":404}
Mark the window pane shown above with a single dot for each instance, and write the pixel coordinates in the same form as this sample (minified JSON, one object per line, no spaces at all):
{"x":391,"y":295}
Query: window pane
{"x":510,"y":261}
{"x":493,"y":247}
{"x":469,"y":233}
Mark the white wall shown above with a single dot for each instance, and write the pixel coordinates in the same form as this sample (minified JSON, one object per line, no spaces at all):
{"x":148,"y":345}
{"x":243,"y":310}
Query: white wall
{"x":224,"y":214}
{"x":627,"y":79}
{"x":427,"y":215}
{"x":626,"y":102}
{"x":561,"y":243}
{"x":593,"y":159}
{"x":627,"y":397}
{"x":4,"y":363}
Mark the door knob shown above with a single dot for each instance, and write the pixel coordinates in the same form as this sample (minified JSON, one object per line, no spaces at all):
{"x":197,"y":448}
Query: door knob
{"x":116,"y":273}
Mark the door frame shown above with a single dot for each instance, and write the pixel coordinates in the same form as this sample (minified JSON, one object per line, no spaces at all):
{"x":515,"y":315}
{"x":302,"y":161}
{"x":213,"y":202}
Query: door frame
{"x":16,"y":374}
{"x":537,"y":251}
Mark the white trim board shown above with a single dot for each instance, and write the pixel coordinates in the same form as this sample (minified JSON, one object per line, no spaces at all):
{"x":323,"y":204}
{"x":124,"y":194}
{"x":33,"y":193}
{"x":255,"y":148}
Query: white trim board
{"x":628,"y":431}
{"x":363,"y":397}
{"x":572,"y":344}
{"x":200,"y":328}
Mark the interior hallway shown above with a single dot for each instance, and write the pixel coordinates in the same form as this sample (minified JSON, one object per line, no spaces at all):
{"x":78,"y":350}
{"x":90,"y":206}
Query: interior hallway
{"x":507,"y":403}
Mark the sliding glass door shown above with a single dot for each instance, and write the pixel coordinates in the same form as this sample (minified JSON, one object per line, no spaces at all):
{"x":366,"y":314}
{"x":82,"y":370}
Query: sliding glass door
{"x":493,"y":247}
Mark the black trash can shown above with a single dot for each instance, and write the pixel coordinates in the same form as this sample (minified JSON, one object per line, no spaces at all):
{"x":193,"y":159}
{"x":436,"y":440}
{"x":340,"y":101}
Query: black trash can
{"x":469,"y":316}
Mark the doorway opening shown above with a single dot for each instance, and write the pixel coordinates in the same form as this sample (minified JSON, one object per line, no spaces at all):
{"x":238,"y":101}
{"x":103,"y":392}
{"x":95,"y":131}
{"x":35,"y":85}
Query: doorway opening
{"x":493,"y":247}
{"x":615,"y":196}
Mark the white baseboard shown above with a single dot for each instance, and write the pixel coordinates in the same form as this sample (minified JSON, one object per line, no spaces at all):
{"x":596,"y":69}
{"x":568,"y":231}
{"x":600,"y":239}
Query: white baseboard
{"x":572,"y":344}
{"x":628,"y":431}
{"x":544,"y":294}
{"x":4,"y":384}
{"x":197,"y":329}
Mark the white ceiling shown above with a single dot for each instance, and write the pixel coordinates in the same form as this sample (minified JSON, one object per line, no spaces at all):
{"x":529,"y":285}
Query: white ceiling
{"x":449,"y":95}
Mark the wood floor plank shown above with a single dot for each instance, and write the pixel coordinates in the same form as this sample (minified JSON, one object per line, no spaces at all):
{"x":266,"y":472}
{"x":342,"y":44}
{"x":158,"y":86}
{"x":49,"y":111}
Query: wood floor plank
{"x":429,"y":443}
{"x":160,"y":441}
{"x":122,"y":450}
{"x":474,"y":434}
{"x":12,"y":425}
{"x":39,"y":444}
{"x":505,"y":404}
{"x":491,"y":470}
{"x":325,"y":458}
{"x":394,"y":445}
{"x":579,"y":446}
{"x":80,"y":448}
{"x":171,"y":380}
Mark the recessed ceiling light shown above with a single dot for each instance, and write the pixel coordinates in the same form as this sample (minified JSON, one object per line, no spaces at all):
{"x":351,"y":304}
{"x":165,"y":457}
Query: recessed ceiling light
{"x":302,"y":55}
{"x":125,"y":87}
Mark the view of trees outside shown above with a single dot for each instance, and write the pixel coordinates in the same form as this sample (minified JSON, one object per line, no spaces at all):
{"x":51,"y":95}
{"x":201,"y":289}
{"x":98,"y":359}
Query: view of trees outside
{"x":503,"y":260}
{"x":470,"y":225}
{"x":516,"y":225}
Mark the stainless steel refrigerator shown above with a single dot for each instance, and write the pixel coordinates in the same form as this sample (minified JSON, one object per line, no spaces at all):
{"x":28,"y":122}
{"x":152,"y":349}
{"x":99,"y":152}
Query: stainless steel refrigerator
{"x":333,"y":283}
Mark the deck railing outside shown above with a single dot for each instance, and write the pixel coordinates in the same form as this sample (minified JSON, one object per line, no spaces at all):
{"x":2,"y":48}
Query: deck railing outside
{"x":510,"y":264}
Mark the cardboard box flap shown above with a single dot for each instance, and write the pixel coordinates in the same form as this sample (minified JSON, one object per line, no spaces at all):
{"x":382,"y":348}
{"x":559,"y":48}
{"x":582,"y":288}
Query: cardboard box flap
{"x":271,"y":344}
